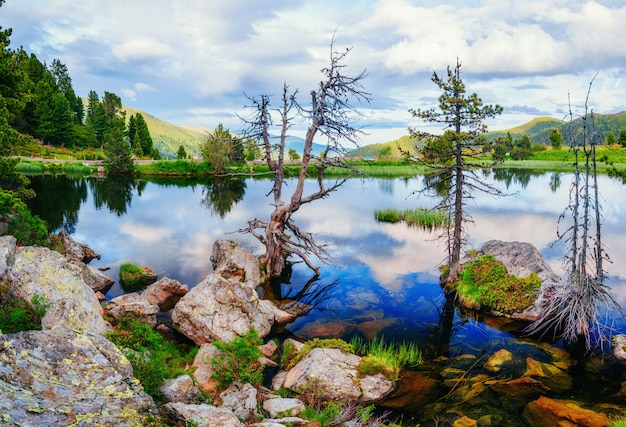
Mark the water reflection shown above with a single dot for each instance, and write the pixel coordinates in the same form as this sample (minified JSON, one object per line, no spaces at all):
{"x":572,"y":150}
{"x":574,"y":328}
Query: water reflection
{"x":60,"y":212}
{"x":220,"y":194}
{"x":115,"y":192}
{"x":387,"y":269}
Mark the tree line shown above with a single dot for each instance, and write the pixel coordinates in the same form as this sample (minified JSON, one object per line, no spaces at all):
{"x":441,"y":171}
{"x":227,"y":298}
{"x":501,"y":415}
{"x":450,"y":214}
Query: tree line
{"x":38,"y":103}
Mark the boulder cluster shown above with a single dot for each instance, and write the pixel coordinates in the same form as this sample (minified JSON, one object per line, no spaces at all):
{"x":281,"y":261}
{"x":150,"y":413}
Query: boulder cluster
{"x":70,"y":374}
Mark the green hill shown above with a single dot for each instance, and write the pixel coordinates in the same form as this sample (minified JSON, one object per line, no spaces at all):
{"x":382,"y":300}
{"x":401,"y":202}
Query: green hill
{"x":373,"y":150}
{"x":167,"y":137}
{"x":538,"y":130}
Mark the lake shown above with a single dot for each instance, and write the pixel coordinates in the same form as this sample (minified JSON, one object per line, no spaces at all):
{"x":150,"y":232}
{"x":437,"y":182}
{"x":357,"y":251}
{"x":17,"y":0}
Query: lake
{"x":385,"y":281}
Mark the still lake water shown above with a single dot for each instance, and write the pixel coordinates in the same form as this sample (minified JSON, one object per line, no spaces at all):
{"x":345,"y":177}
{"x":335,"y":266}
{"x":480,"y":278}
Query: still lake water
{"x":386,"y":278}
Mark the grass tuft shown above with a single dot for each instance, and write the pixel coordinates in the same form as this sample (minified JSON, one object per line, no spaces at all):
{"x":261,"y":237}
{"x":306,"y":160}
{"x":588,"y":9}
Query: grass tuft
{"x":426,"y":218}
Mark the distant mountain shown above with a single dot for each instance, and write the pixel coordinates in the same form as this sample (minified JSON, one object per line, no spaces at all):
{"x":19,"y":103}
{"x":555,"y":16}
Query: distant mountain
{"x":297,"y":143}
{"x":167,"y":137}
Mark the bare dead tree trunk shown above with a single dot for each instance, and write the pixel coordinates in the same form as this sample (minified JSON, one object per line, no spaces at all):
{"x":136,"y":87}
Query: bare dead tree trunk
{"x":330,"y":115}
{"x":574,"y":309}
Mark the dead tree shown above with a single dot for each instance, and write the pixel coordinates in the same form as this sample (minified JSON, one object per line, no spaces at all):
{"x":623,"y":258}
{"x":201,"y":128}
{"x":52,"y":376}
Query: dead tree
{"x":573,"y":311}
{"x":455,"y":177}
{"x":330,"y":115}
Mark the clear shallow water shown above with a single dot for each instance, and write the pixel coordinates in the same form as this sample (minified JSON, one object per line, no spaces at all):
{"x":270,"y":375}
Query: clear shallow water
{"x":386,"y":278}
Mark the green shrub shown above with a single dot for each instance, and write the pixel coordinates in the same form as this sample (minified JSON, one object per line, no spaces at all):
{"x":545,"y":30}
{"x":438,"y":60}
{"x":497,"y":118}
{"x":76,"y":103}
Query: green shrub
{"x":154,"y":359}
{"x":29,"y":230}
{"x":238,"y":360}
{"x":10,"y":202}
{"x":134,"y":278}
{"x":486,"y":283}
{"x":18,"y":315}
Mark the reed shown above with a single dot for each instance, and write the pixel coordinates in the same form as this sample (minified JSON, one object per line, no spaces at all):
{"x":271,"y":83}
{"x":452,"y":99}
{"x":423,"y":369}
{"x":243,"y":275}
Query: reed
{"x":384,"y":357}
{"x":425,"y":218}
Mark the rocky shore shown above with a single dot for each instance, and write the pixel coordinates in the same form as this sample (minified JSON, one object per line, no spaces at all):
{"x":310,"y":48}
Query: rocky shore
{"x":70,"y":374}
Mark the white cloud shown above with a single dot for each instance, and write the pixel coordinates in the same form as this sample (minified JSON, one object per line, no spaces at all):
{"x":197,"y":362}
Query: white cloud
{"x":208,"y":54}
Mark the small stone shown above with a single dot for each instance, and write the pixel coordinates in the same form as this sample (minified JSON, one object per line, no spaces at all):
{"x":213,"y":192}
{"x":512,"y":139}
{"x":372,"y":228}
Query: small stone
{"x":499,"y":358}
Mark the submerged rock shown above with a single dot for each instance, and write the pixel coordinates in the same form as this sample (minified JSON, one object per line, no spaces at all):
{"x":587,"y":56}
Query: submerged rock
{"x":60,"y":377}
{"x":550,"y":375}
{"x":554,"y":412}
{"x":499,"y":358}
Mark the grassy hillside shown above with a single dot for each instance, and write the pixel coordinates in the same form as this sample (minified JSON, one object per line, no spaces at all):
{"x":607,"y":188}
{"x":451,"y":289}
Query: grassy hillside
{"x":373,"y":150}
{"x":534,"y":128}
{"x":167,"y":137}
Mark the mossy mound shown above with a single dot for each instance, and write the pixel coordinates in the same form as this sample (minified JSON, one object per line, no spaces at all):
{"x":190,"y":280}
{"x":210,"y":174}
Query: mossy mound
{"x":134,"y":278}
{"x":485,"y":284}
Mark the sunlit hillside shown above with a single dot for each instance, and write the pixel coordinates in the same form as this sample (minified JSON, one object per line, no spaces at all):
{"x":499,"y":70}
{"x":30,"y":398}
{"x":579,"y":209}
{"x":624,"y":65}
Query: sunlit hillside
{"x":535,"y":127}
{"x":167,"y":137}
{"x":373,"y":150}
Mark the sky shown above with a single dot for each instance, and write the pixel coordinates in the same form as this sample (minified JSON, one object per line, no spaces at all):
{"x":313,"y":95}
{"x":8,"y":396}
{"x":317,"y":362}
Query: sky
{"x":194,"y":63}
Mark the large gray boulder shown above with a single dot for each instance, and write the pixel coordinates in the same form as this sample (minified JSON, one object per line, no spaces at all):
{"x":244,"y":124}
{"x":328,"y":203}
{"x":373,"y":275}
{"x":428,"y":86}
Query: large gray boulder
{"x":60,"y":377}
{"x":332,"y":373}
{"x":34,"y":270}
{"x":234,"y":261}
{"x":225,"y":304}
{"x":219,"y":308}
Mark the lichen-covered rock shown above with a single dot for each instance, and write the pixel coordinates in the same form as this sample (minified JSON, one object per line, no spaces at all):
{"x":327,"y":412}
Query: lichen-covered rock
{"x":219,"y":308}
{"x":333,"y":374}
{"x":8,"y":248}
{"x":240,"y":398}
{"x":234,"y":261}
{"x":95,"y":279}
{"x":180,"y":389}
{"x":72,"y":304}
{"x":200,"y":415}
{"x":283,"y":407}
{"x":59,"y":377}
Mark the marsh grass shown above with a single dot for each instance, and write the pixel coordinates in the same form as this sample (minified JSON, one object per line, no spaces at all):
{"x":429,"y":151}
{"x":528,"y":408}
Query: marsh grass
{"x":425,"y":218}
{"x":379,"y":356}
{"x":174,"y":168}
{"x":70,"y":168}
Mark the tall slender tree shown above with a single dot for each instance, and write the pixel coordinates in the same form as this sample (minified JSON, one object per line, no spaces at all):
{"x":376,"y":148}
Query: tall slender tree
{"x":463,"y":119}
{"x":330,"y":114}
